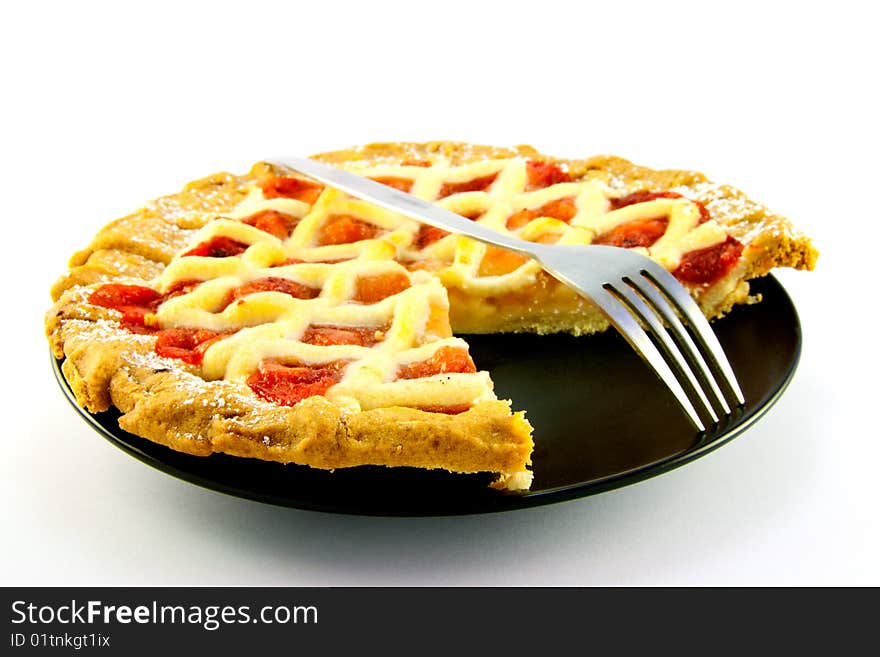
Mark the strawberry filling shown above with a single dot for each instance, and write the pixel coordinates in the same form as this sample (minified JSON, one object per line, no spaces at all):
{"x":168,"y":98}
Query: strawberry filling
{"x":444,"y":361}
{"x":644,"y":195}
{"x":287,"y":385}
{"x":497,"y":262}
{"x":700,"y":267}
{"x":295,"y":188}
{"x":326,"y":336}
{"x":275,"y":223}
{"x":543,"y":174}
{"x":706,"y":266}
{"x":401,"y":184}
{"x":344,"y":229}
{"x":372,"y":289}
{"x":640,"y":232}
{"x":273,"y":284}
{"x":448,"y":410}
{"x":218,"y":247}
{"x":186,"y":344}
{"x":135,"y":302}
{"x":428,"y":235}
{"x":562,"y":209}
{"x":475,"y":185}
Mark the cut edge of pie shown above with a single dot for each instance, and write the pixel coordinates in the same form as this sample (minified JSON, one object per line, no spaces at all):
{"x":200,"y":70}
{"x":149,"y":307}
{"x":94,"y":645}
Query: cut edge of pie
{"x":167,"y":401}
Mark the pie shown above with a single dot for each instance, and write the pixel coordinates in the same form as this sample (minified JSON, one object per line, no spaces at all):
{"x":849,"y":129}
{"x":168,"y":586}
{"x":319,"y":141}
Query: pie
{"x":268,"y":316}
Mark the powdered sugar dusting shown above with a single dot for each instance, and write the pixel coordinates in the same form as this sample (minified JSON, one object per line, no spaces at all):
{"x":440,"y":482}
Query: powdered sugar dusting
{"x":105,"y":330}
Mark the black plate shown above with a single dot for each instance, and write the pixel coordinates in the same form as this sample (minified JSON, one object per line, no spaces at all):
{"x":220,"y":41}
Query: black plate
{"x":602,"y":420}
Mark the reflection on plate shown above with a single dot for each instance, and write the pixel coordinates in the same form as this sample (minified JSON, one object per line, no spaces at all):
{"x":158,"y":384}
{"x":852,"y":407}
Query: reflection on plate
{"x":602,"y":420}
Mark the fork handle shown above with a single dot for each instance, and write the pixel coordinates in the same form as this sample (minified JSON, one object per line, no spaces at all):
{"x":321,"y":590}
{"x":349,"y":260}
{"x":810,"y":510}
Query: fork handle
{"x":403,"y":203}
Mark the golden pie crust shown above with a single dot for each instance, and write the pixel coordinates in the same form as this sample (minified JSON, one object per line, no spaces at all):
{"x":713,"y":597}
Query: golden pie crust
{"x":169,"y":402}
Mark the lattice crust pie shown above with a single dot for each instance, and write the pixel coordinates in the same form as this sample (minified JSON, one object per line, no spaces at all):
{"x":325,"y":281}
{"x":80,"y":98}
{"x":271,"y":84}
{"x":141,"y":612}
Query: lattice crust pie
{"x":267,"y":316}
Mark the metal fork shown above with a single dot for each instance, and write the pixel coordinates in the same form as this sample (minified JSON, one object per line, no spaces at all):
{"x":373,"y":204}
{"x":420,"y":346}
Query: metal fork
{"x":638,"y":296}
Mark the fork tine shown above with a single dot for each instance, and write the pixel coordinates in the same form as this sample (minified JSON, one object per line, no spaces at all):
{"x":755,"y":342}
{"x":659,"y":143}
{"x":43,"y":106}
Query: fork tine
{"x":658,"y":302}
{"x":649,"y":317}
{"x":625,"y":323}
{"x":669,"y":286}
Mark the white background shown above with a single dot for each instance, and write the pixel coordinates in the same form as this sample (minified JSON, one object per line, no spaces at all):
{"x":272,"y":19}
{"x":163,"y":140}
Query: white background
{"x":106,"y":106}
